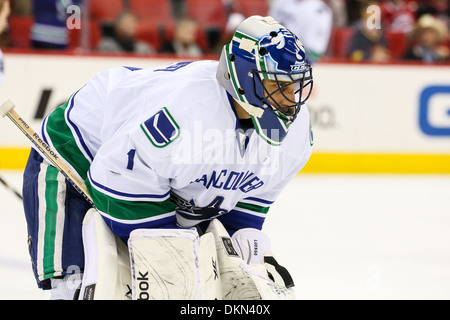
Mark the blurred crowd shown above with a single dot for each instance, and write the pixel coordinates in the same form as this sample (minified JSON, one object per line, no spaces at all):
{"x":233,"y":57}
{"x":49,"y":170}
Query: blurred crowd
{"x":354,"y":30}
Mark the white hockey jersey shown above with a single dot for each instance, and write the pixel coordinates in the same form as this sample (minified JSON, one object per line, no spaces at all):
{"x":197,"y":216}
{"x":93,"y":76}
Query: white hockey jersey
{"x":163,"y":147}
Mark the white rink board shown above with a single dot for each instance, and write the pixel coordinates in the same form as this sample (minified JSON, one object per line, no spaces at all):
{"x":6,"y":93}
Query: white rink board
{"x":376,"y":108}
{"x":28,"y":75}
{"x":355,"y":108}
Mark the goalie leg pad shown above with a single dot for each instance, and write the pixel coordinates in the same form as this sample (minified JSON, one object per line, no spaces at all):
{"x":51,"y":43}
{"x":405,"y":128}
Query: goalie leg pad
{"x":173,"y":264}
{"x":107,"y":272}
{"x":236,"y":283}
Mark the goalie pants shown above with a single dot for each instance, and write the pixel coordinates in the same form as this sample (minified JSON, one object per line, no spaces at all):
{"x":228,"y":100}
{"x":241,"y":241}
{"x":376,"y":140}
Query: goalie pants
{"x":53,"y":208}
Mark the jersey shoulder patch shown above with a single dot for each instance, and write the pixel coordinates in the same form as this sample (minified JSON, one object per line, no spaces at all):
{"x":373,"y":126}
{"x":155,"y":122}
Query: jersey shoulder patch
{"x":161,"y":129}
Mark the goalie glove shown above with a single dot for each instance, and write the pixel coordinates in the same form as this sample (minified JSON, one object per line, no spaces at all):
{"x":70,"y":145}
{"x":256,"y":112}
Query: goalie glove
{"x":250,"y":279}
{"x":254,"y":247}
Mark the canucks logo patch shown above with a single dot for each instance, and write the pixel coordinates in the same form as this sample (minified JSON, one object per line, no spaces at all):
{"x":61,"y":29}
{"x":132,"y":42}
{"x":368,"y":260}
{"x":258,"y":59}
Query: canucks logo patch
{"x":161,"y":129}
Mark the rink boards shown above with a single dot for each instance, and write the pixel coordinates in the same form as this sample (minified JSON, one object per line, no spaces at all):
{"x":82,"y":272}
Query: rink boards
{"x":366,"y":118}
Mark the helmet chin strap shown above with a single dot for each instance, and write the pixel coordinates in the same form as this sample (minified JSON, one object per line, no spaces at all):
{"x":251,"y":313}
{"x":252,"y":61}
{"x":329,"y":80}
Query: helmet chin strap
{"x":250,"y":109}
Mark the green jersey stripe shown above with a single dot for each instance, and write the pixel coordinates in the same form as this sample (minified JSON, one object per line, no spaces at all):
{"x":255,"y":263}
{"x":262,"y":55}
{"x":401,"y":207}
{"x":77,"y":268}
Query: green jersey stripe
{"x":128,"y":210}
{"x":64,"y":142}
{"x":51,"y":192}
{"x":252,"y":207}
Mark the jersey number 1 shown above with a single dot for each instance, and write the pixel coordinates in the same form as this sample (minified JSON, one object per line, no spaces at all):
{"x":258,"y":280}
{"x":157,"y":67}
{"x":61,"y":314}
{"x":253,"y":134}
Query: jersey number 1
{"x":131,"y":155}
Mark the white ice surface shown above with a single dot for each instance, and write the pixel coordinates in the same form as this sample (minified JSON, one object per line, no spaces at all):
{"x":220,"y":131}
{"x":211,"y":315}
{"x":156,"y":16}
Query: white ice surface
{"x":340,"y":236}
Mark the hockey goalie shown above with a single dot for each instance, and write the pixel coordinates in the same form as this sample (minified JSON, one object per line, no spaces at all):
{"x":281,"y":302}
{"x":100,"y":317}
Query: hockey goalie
{"x":182,"y":163}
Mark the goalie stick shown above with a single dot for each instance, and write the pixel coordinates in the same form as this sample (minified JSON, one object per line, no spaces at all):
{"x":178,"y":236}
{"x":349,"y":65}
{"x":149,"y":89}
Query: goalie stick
{"x":7,"y":109}
{"x":7,"y":186}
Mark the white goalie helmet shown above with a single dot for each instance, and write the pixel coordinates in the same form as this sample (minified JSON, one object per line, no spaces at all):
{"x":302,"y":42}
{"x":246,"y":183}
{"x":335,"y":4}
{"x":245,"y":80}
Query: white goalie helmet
{"x":261,"y":48}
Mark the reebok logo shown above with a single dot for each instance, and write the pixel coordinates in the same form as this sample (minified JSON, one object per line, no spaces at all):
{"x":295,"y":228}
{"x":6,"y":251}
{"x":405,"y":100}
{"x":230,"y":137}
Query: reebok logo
{"x":143,"y":286}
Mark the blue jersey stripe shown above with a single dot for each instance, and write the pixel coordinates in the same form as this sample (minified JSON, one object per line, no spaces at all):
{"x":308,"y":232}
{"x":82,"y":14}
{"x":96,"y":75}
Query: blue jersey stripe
{"x":44,"y":124}
{"x":124,"y":194}
{"x":235,"y":220}
{"x":123,"y":230}
{"x":77,"y":131}
{"x":259,"y":200}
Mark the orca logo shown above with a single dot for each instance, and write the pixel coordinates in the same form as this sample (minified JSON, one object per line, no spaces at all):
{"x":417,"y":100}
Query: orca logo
{"x":285,"y":50}
{"x":434,"y":110}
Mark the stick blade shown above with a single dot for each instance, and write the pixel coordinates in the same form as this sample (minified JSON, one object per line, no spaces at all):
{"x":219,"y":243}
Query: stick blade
{"x":7,"y":106}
